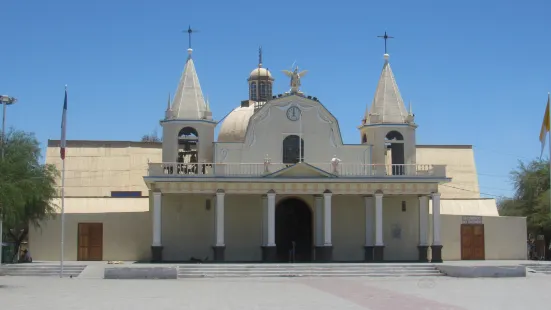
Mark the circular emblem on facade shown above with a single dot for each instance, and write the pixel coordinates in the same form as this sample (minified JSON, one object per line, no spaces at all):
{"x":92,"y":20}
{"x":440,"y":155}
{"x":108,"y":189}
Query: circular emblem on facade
{"x":293,"y":113}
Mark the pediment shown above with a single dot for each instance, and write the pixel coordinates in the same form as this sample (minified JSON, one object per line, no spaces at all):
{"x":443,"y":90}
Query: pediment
{"x":301,"y":170}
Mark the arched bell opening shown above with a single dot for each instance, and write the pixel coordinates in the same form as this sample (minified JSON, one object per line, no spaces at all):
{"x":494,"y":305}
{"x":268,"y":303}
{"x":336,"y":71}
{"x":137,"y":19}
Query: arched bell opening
{"x":188,"y":140}
{"x":395,"y":153}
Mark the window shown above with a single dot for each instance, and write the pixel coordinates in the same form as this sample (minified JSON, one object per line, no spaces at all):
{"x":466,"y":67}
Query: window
{"x":262,"y":91}
{"x":253,"y":91}
{"x":291,"y":149}
{"x":125,"y":194}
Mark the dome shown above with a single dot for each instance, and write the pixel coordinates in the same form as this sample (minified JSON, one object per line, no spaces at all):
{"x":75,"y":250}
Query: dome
{"x":234,"y":126}
{"x":260,"y":72}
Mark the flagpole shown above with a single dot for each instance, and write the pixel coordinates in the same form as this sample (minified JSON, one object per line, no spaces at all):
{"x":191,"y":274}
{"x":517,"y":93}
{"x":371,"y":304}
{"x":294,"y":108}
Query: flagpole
{"x":549,"y":146}
{"x":62,"y":216}
{"x":62,"y":146}
{"x":300,"y":159}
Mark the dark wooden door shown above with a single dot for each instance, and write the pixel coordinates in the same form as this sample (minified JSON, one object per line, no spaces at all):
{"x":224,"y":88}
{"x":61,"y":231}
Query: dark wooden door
{"x":472,"y":242}
{"x":90,"y":242}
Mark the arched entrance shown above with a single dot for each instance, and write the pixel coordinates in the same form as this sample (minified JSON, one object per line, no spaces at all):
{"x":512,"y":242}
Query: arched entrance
{"x":293,"y":223}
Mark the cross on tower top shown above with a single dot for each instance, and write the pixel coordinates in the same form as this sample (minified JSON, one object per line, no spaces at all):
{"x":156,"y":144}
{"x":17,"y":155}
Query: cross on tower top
{"x":385,"y":37}
{"x":260,"y":56}
{"x":189,"y":32}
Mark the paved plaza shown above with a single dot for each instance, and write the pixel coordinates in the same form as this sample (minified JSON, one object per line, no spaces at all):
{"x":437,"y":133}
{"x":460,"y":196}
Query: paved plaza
{"x":47,"y":293}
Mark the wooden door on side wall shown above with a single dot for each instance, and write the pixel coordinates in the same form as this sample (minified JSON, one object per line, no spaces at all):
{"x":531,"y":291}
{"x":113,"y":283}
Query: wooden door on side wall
{"x":472,"y":242}
{"x":90,"y":241}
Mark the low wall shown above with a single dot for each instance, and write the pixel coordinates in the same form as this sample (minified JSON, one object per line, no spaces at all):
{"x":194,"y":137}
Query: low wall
{"x":166,"y":273}
{"x":482,"y":271}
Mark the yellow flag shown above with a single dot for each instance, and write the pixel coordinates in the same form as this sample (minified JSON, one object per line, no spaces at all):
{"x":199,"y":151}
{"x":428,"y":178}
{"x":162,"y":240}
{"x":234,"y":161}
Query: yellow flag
{"x":546,"y":125}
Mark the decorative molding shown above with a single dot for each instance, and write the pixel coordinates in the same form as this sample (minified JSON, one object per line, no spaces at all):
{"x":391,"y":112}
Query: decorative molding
{"x":471,"y":219}
{"x":223,"y":153}
{"x":363,"y":189}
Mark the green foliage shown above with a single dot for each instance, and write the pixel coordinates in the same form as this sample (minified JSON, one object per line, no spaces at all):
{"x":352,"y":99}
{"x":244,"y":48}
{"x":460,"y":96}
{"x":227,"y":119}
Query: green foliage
{"x":531,"y":198}
{"x":27,"y":187}
{"x":152,"y":137}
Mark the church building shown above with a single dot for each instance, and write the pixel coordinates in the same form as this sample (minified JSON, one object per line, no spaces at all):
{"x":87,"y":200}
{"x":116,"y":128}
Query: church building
{"x":278,"y":184}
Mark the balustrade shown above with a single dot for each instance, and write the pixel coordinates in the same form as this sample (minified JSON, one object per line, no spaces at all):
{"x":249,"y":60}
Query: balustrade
{"x":261,"y":169}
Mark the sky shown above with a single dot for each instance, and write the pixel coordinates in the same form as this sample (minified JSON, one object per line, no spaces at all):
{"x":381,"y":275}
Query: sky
{"x":476,"y":72}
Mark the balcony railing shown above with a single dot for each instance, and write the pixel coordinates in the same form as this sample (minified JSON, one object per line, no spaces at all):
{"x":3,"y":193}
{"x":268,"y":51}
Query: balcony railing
{"x":262,"y":169}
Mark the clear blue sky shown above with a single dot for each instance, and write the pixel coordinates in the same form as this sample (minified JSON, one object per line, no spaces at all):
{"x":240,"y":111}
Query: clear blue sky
{"x":477,"y":72}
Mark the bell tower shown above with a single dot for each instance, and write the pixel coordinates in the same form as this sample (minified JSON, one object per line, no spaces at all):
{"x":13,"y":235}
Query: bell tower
{"x":260,"y":82}
{"x":388,"y":126}
{"x":188,"y":127}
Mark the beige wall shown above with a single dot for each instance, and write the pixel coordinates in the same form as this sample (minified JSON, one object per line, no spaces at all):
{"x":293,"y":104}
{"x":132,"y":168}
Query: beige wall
{"x":188,"y":227}
{"x":126,"y":229}
{"x":95,"y":168}
{"x":504,"y":237}
{"x":480,"y":207}
{"x":460,"y":166}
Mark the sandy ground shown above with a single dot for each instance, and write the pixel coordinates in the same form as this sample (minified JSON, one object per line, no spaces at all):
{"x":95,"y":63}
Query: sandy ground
{"x":276,"y":293}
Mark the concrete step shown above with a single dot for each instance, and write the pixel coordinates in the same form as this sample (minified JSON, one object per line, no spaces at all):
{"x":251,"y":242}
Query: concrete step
{"x":303,"y":270}
{"x":263,"y":275}
{"x":540,"y":268}
{"x":40,"y":270}
{"x":236,"y":271}
{"x":306,"y":268}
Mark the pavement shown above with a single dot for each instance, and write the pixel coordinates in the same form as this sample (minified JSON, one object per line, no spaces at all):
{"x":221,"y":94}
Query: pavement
{"x":276,"y":293}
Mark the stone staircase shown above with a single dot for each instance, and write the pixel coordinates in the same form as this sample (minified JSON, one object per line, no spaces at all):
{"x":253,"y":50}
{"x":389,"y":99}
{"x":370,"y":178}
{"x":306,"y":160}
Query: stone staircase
{"x":306,"y":270}
{"x":540,"y":268}
{"x":39,"y":270}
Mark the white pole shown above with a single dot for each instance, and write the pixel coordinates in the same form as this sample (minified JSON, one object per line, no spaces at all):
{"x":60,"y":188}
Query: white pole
{"x":300,"y":137}
{"x":1,"y":239}
{"x":549,"y":146}
{"x":2,"y":150}
{"x":62,"y":216}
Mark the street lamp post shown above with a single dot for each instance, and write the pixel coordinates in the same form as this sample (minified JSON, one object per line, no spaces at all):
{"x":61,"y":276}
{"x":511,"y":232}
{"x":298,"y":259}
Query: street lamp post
{"x":5,"y":101}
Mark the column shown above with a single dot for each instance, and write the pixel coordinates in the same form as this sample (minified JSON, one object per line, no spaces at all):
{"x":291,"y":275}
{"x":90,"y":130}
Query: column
{"x":318,"y":204}
{"x":324,"y":252}
{"x":264,"y":220}
{"x":271,"y":219}
{"x":378,"y":251}
{"x":423,"y":228}
{"x":436,"y":247}
{"x":327,"y":218}
{"x":156,"y":246}
{"x":219,"y":247}
{"x":269,"y":253}
{"x":369,"y":222}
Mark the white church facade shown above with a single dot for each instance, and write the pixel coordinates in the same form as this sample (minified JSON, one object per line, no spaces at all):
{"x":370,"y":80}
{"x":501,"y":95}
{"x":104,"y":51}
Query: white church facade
{"x":277,"y":185}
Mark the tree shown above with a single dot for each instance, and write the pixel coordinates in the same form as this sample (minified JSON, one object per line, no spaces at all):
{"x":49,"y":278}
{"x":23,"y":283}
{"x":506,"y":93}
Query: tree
{"x":531,"y":197}
{"x":27,"y":187}
{"x":152,"y":137}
